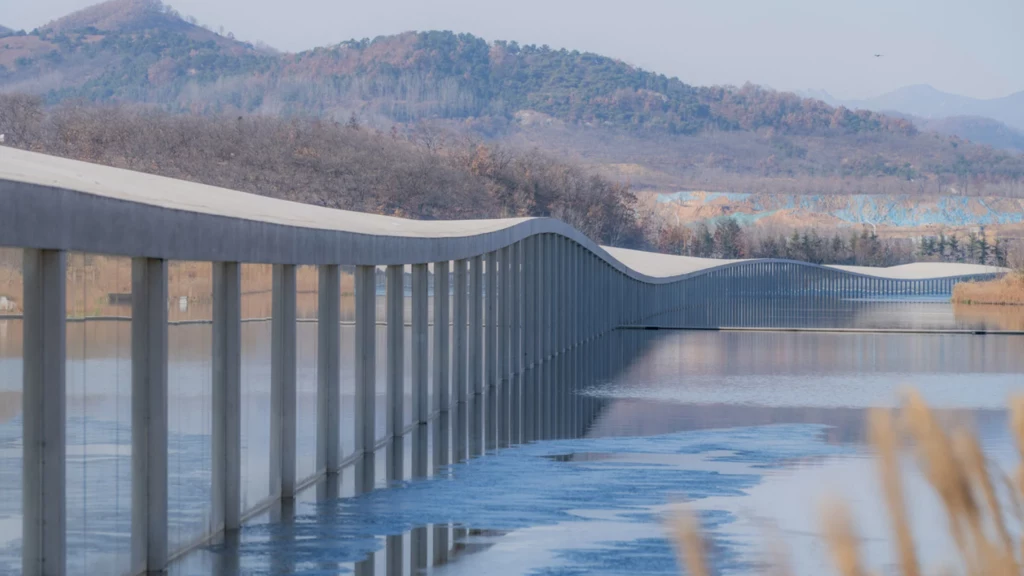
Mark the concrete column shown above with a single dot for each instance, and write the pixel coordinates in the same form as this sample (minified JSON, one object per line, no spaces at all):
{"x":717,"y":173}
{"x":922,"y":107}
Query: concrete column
{"x":395,"y":302}
{"x":328,"y":372}
{"x":491,"y":350}
{"x":506,"y":295}
{"x":442,"y":356}
{"x":552,"y":383}
{"x":226,"y":449}
{"x":365,"y":375}
{"x":515,"y":349}
{"x":528,"y":403}
{"x":44,"y":406}
{"x":149,"y":415}
{"x":543,"y":398}
{"x":282,"y":383}
{"x":460,"y":363}
{"x":419,"y":366}
{"x":476,"y":356}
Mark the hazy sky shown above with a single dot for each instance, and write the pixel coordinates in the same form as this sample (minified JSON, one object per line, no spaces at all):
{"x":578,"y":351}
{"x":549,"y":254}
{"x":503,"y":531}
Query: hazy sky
{"x":970,"y":47}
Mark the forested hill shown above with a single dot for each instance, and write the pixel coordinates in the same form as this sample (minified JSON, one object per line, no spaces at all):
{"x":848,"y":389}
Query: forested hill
{"x":140,"y":51}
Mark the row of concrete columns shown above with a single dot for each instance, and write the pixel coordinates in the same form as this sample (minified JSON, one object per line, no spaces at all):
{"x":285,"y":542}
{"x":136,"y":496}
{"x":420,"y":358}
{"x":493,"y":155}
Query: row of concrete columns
{"x":517,"y":319}
{"x":768,"y":278}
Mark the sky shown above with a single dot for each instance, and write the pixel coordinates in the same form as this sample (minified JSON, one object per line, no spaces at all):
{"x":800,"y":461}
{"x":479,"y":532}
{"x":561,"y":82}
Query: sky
{"x":971,"y":48}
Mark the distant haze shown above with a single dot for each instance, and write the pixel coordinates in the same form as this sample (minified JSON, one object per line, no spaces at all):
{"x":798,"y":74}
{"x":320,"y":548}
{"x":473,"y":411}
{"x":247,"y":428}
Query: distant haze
{"x":967,"y":48}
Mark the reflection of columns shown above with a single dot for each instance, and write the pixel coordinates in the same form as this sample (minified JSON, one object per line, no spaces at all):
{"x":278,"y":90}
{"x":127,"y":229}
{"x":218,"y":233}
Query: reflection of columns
{"x":419,"y":366}
{"x":395,"y":416}
{"x":442,"y":381}
{"x":44,"y":405}
{"x":226,"y":441}
{"x":365,"y":375}
{"x":393,"y":555}
{"x":149,"y":415}
{"x":418,"y":550}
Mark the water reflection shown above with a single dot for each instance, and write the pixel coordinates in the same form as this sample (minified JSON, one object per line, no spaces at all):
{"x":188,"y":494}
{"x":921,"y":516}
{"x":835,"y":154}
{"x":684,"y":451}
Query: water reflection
{"x":935,"y":313}
{"x":718,"y":413}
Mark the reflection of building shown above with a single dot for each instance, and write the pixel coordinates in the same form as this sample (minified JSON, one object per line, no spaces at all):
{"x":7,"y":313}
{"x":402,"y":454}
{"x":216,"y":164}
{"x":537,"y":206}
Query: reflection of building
{"x":10,"y":405}
{"x":847,"y":425}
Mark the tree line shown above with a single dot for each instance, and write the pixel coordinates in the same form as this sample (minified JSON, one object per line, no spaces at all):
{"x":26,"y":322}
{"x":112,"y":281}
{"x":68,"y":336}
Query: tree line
{"x":423,"y":172}
{"x":726,"y":238}
{"x":974,"y":248}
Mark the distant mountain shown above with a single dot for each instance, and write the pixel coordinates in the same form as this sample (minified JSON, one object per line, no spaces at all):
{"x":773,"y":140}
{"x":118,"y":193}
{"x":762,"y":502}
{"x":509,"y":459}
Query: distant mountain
{"x":721,"y":137}
{"x":5,"y":31}
{"x":143,"y":51}
{"x":127,"y":50}
{"x":976,"y":129}
{"x":927,"y":102}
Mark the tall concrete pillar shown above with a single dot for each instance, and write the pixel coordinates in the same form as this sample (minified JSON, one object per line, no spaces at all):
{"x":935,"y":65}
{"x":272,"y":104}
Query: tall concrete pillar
{"x":282,"y":383}
{"x":476,"y":356}
{"x":547,"y":323}
{"x":492,"y":371}
{"x":442,"y":356}
{"x":149,"y":415}
{"x":460,"y":361}
{"x":420,"y":367}
{"x":328,"y":393}
{"x":226,"y":441}
{"x":506,"y":295}
{"x":515,"y":348}
{"x":395,"y":303}
{"x":529,"y":343}
{"x":365,"y":375}
{"x":44,"y":406}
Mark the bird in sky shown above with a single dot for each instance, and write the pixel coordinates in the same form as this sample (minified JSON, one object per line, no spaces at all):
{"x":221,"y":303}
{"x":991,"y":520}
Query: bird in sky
{"x":878,"y":55}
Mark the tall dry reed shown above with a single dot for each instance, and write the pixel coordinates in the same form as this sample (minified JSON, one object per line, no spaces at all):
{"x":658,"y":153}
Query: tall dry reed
{"x":1006,"y":290}
{"x":954,"y":465}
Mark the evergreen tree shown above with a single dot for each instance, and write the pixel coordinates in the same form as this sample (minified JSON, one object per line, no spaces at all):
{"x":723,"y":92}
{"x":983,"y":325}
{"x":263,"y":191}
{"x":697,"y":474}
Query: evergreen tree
{"x":984,"y":248}
{"x":793,"y":247}
{"x":728,"y":239}
{"x":705,"y":242}
{"x":954,"y":249}
{"x":999,"y":252}
{"x":971,"y":251}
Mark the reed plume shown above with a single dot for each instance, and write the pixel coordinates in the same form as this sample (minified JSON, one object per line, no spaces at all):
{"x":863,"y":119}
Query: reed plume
{"x":953,"y":463}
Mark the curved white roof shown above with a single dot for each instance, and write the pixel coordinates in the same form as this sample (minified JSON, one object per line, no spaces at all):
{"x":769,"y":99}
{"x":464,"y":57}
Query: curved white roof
{"x":664,"y":265}
{"x":51,"y":202}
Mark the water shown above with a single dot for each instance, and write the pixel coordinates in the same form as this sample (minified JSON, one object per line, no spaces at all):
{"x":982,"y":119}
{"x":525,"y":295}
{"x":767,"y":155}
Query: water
{"x":755,"y":429}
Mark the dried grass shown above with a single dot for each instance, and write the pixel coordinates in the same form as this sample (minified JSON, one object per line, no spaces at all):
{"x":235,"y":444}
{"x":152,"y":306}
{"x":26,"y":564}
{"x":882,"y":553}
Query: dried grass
{"x":1006,"y":290}
{"x":954,"y":465}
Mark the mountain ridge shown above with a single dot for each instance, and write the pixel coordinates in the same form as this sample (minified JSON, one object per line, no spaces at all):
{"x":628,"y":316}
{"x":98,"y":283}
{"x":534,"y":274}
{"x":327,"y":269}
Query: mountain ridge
{"x":140,"y":52}
{"x":926,"y":101}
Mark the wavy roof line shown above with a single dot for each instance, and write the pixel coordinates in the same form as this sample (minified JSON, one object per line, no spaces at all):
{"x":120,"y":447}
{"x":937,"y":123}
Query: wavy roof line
{"x":57,"y":203}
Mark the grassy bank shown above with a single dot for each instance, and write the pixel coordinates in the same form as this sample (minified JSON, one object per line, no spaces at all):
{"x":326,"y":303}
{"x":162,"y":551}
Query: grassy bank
{"x":1006,"y":290}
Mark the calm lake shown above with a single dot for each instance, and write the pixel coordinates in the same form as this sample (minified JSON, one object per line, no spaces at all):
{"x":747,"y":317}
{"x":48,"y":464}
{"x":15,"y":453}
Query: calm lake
{"x":755,"y":429}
